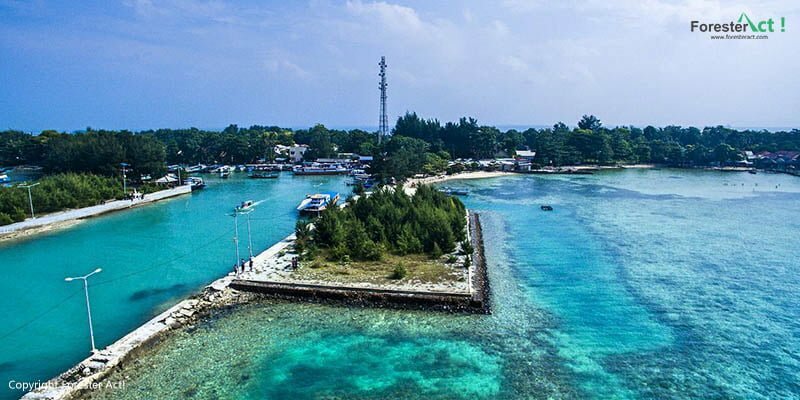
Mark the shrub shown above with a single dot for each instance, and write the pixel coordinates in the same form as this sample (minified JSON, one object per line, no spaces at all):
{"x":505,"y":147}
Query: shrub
{"x":436,"y":252}
{"x":399,"y":272}
{"x":466,"y":248}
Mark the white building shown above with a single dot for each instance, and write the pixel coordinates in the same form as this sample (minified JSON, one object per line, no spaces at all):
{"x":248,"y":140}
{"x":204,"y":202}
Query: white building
{"x":294,"y":152}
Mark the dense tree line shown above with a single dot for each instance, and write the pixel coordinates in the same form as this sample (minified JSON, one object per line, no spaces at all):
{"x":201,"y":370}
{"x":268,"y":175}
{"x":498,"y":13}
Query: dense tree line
{"x":101,"y":151}
{"x":389,"y":220}
{"x":591,"y":142}
{"x":57,"y":192}
{"x":418,"y":145}
{"x":97,"y":152}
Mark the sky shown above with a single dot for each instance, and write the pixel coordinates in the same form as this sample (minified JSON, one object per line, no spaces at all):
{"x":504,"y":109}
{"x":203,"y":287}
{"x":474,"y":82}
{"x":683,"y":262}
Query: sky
{"x":140,"y":64}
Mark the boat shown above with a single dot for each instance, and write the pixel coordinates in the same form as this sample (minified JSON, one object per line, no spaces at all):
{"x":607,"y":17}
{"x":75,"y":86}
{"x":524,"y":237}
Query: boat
{"x":316,"y":203}
{"x":261,"y":175}
{"x":319,"y":170}
{"x":752,"y":171}
{"x":546,"y":207}
{"x":195,"y":168}
{"x":454,"y":191}
{"x":4,"y":178}
{"x":196,"y":183}
{"x":224,"y":174}
{"x":245,"y":206}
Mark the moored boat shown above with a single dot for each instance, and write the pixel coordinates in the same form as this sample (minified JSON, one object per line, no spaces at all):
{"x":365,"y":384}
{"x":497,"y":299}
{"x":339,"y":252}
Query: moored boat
{"x":319,"y":170}
{"x":195,"y":182}
{"x":316,"y":203}
{"x":262,"y":175}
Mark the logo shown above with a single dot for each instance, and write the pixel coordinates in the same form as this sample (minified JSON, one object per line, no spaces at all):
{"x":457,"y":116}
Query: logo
{"x":743,"y":28}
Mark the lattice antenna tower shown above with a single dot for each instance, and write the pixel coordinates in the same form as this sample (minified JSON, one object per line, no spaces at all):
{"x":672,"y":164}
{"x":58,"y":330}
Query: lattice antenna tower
{"x":383,"y":129}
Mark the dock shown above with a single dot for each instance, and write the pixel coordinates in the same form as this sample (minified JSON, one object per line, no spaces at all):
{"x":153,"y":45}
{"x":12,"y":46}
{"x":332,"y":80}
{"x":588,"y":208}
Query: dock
{"x":86,"y":212}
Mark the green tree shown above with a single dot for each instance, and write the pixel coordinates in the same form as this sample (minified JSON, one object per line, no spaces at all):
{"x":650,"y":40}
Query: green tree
{"x":589,"y":122}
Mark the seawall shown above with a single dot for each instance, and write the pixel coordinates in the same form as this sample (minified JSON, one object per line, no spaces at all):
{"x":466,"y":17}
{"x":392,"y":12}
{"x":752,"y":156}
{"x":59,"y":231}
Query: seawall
{"x":20,"y":228}
{"x":474,"y":301}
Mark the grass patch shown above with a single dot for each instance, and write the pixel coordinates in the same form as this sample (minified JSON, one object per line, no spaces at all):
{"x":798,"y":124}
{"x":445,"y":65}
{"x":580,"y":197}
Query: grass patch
{"x":391,"y":269}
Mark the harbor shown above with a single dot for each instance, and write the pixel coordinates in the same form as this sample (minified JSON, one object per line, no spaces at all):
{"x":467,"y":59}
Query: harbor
{"x":152,"y":258}
{"x":265,"y":280}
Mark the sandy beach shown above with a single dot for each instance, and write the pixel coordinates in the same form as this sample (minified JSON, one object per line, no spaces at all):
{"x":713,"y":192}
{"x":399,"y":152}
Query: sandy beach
{"x":22,"y":234}
{"x":411,"y":184}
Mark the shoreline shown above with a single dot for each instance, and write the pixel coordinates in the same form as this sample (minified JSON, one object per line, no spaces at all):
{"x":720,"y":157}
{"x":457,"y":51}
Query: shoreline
{"x":68,"y":218}
{"x":410,"y":185}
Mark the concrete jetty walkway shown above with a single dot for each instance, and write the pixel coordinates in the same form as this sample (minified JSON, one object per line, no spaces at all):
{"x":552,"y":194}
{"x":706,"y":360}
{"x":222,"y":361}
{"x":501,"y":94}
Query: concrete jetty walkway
{"x":70,"y":215}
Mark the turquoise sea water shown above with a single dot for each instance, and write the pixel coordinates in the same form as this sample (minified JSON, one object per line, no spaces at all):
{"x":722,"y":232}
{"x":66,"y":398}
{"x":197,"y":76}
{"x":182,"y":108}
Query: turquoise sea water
{"x":151,"y":257}
{"x":641,"y":284}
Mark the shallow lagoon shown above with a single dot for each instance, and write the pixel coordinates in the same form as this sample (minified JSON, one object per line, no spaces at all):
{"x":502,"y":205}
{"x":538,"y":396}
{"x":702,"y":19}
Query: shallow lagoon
{"x":641,"y":284}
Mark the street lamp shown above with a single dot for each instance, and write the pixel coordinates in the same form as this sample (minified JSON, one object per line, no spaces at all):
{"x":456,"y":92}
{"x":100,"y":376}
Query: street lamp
{"x":124,"y":167}
{"x":249,"y":236}
{"x":88,"y":308}
{"x":235,"y":215}
{"x":30,"y":198}
{"x":236,"y":236}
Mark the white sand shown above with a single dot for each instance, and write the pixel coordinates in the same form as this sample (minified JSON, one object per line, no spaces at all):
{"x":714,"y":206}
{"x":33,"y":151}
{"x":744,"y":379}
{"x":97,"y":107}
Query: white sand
{"x":411,"y":184}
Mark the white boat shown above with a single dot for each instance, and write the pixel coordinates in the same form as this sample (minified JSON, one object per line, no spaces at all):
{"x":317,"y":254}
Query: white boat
{"x":4,"y":178}
{"x":195,"y":168}
{"x":316,"y":203}
{"x":245,"y":206}
{"x":320,"y":169}
{"x":196,"y":182}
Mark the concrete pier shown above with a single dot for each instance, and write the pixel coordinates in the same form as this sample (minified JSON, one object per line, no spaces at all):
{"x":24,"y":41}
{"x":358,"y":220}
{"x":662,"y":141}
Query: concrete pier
{"x":86,"y":375}
{"x":86,"y":212}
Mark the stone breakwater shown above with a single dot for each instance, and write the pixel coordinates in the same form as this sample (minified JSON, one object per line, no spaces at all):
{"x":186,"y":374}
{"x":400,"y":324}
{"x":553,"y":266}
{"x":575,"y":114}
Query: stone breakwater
{"x":87,"y":374}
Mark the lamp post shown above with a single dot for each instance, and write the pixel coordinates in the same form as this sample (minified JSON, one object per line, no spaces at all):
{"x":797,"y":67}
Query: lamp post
{"x":30,"y":197}
{"x":124,"y":168}
{"x":88,"y":307}
{"x":249,"y":236}
{"x":235,"y":215}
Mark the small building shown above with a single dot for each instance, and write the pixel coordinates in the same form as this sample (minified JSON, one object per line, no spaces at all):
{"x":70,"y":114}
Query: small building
{"x":296,"y":152}
{"x":526,"y":155}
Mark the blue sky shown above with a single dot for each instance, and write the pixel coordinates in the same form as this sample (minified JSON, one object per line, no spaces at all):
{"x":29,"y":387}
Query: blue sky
{"x":141,"y":64}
